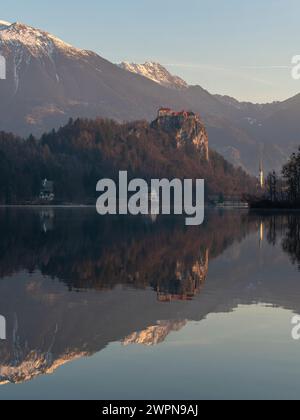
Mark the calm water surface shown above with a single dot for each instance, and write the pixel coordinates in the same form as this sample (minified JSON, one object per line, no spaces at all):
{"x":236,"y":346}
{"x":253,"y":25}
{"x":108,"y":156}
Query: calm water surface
{"x":135,"y":308}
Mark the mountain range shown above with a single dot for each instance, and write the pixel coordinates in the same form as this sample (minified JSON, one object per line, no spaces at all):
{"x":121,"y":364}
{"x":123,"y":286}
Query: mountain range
{"x":48,"y":81}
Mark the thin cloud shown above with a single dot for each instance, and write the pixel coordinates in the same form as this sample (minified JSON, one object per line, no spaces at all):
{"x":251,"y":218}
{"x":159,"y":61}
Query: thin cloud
{"x":266,"y":67}
{"x":210,"y":67}
{"x":228,"y":70}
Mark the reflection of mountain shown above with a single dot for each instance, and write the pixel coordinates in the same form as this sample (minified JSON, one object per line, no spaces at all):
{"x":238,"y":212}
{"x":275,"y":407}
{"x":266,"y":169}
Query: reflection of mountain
{"x":49,"y":324}
{"x":155,"y":334}
{"x":34,"y":364}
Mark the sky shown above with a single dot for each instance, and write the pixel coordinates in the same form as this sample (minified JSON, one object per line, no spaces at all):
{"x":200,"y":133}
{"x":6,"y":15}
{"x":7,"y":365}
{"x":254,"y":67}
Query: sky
{"x":238,"y":48}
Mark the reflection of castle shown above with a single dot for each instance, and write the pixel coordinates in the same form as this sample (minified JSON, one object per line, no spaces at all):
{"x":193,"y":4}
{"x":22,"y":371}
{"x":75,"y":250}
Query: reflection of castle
{"x":189,"y":281}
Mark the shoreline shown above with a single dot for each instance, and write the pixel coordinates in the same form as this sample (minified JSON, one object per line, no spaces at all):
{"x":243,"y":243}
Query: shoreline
{"x":207,"y":207}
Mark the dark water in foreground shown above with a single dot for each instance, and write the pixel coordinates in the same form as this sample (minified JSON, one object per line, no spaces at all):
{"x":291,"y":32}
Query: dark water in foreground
{"x":132,"y":308}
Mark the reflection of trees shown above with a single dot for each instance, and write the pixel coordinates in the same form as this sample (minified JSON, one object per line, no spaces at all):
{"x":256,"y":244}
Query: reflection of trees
{"x":272,"y":226}
{"x":86,"y":251}
{"x":291,"y":242}
{"x":284,"y":228}
{"x":276,"y":225}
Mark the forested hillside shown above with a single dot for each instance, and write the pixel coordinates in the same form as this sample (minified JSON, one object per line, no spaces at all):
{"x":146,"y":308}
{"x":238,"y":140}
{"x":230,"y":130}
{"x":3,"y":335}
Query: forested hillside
{"x":79,"y":154}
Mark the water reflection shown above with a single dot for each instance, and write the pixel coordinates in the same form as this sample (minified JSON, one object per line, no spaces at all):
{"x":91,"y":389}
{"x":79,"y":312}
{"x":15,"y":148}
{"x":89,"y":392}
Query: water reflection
{"x":86,"y":252}
{"x":291,"y":242}
{"x":71,"y":282}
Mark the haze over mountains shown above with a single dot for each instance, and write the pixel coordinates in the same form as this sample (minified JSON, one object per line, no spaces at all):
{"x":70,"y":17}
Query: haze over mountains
{"x":49,"y":81}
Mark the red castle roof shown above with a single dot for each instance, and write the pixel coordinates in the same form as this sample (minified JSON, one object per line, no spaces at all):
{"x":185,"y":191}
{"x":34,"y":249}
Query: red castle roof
{"x":172,"y":113}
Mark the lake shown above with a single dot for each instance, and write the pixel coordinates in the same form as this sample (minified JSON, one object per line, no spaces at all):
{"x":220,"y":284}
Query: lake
{"x":143,"y":308}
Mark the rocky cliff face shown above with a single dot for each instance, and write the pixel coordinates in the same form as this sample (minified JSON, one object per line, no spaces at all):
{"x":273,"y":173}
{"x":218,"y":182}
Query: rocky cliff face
{"x":186,"y":127}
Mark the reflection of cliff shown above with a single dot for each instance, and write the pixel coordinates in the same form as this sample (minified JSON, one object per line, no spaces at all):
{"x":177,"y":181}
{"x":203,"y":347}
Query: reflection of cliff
{"x":88,"y":252}
{"x":49,"y":325}
{"x":155,"y":334}
{"x":187,"y":282}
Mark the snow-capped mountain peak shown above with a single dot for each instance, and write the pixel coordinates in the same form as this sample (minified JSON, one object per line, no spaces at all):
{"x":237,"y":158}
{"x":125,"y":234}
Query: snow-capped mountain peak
{"x":4,"y":24}
{"x":34,"y":41}
{"x":157,"y":73}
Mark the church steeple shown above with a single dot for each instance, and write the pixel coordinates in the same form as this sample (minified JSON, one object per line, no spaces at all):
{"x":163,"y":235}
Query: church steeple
{"x":261,"y":174}
{"x":261,"y":178}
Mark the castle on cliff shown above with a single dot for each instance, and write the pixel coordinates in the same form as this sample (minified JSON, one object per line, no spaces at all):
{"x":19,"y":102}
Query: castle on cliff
{"x":186,"y":127}
{"x":168,"y":112}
